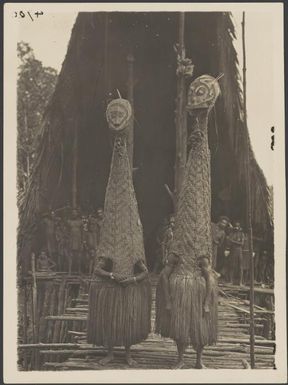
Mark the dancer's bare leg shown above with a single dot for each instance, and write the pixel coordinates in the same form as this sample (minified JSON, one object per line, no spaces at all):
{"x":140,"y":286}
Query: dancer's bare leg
{"x":230,"y":276}
{"x":129,"y":359}
{"x":241,"y":271}
{"x":207,"y":274}
{"x":108,"y":358}
{"x":181,"y":350}
{"x":199,"y":362}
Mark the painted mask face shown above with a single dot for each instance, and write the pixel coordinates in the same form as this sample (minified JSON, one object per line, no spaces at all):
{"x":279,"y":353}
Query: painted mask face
{"x":203,"y":92}
{"x":118,"y":114}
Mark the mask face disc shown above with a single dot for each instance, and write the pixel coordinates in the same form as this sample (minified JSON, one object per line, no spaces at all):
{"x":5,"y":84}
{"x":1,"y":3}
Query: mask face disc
{"x":203,"y":92}
{"x":118,"y":114}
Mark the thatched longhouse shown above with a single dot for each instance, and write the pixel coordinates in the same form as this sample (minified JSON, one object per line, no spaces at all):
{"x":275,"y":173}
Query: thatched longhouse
{"x":94,"y":67}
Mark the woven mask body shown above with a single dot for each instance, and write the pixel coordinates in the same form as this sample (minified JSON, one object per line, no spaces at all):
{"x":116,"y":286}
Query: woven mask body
{"x":192,"y":234}
{"x":121,"y":238}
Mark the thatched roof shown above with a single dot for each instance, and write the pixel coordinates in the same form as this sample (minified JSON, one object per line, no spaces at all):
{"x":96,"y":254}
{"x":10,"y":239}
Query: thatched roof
{"x":90,"y":72}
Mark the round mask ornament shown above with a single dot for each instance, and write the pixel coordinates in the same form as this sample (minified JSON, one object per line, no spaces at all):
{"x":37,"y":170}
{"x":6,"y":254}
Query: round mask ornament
{"x":203,"y":92}
{"x":118,"y":114}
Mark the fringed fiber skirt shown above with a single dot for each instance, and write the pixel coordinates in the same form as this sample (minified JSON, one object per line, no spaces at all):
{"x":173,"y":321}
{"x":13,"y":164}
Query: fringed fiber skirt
{"x":118,"y":316}
{"x":187,"y":322}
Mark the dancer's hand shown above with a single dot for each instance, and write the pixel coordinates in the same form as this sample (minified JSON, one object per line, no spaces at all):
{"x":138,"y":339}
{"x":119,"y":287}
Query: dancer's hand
{"x":117,"y":278}
{"x":127,"y":281}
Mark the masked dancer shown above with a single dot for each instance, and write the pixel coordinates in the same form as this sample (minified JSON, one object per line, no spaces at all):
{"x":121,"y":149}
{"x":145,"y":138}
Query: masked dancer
{"x":120,"y":293}
{"x":186,"y":299}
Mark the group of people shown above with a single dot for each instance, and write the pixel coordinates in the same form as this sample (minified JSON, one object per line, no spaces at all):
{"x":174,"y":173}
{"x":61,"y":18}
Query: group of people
{"x":231,"y":253}
{"x":70,"y":243}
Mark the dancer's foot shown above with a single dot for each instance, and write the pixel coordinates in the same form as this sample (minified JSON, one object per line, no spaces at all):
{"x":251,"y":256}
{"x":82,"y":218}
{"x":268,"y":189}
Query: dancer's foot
{"x":131,"y":362}
{"x":200,"y":365}
{"x":107,"y":359}
{"x":129,"y":358}
{"x":179,"y":365}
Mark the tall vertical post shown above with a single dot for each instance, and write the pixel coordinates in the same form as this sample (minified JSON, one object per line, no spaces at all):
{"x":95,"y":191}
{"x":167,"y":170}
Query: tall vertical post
{"x":248,"y":204}
{"x":27,"y":154}
{"x":74,"y":166}
{"x":25,"y":324}
{"x":130,"y":137}
{"x":34,"y":298}
{"x":181,"y":115}
{"x":106,"y":68}
{"x":34,"y":310}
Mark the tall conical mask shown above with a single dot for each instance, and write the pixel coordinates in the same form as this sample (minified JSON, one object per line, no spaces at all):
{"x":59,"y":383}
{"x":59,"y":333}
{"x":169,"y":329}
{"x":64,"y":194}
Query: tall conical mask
{"x":186,"y":321}
{"x":192,"y":234}
{"x":121,"y":237}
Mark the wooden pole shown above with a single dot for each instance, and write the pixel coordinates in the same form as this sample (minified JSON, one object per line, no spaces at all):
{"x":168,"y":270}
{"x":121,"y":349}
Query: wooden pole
{"x":248,"y":204}
{"x":34,"y":309}
{"x":74,"y":166}
{"x":171,"y":195}
{"x":34,"y":298}
{"x":27,"y":153}
{"x":25,"y":324}
{"x":106,"y":66}
{"x":181,"y":115}
{"x":130,"y":138}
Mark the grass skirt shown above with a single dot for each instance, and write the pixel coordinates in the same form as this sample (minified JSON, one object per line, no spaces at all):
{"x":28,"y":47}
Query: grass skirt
{"x":118,"y":316}
{"x":187,"y":322}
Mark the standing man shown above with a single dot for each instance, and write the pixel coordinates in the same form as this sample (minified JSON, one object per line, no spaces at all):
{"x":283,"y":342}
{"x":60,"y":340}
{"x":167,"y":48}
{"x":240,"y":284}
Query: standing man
{"x":218,"y":237}
{"x":75,"y":241}
{"x":85,"y":260}
{"x":99,"y":221}
{"x":92,"y":240}
{"x":263,"y":267}
{"x":62,"y":237}
{"x":160,"y":246}
{"x":236,"y":240}
{"x":50,"y":224}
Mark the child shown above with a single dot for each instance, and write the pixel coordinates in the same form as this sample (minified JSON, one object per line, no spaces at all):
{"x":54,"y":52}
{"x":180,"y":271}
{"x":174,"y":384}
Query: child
{"x":44,"y":263}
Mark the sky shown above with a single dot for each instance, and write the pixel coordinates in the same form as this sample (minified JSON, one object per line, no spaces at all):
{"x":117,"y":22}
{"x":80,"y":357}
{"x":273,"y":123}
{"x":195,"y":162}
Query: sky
{"x":55,"y":35}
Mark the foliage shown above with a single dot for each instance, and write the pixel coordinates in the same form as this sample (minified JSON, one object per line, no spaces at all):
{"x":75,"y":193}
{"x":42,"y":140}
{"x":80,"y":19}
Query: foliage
{"x":35,"y":85}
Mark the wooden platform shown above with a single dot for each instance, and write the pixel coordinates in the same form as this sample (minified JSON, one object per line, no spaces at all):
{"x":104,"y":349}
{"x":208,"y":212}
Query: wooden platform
{"x":230,"y":352}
